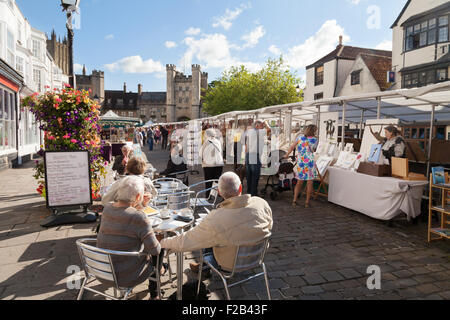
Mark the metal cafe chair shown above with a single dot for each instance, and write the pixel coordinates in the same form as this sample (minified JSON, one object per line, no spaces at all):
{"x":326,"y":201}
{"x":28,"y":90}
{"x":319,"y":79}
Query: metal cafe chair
{"x":247,"y":258}
{"x":180,"y":200}
{"x":97,"y":264}
{"x":209,"y":202}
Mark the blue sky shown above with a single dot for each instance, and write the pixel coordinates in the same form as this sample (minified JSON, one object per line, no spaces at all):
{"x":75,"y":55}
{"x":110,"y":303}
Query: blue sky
{"x":133,"y":40}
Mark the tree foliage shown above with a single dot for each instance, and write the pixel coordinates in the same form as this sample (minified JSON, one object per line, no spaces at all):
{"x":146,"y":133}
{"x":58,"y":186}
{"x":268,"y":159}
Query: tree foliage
{"x":239,"y":89}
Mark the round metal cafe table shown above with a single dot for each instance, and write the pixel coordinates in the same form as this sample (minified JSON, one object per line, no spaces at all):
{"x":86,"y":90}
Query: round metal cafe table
{"x":177,"y":227}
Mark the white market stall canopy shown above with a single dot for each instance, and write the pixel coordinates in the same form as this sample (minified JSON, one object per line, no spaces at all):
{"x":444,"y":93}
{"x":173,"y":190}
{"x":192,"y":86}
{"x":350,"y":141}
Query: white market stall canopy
{"x":408,"y":105}
{"x":112,"y":119}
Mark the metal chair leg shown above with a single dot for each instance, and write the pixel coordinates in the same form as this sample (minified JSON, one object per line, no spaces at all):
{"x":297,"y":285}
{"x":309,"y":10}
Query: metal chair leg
{"x":267,"y":281}
{"x":158,"y":278}
{"x":225,"y":284}
{"x":125,"y":297}
{"x":170,"y":267}
{"x":80,"y":294}
{"x":200,"y":270}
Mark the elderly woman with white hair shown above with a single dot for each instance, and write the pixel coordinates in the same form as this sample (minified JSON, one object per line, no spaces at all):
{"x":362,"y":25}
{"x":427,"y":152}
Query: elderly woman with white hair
{"x":239,"y":220}
{"x":211,"y":154}
{"x":124,"y":228}
{"x":120,"y":163}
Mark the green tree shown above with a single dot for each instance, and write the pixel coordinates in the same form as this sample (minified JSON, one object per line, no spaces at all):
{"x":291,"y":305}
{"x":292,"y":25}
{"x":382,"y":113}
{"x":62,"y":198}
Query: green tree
{"x":239,"y":89}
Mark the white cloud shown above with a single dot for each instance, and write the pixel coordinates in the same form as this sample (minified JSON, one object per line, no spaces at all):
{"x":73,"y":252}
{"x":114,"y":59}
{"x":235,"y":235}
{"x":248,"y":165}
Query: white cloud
{"x":274,"y":50}
{"x":77,"y":68}
{"x":316,"y":46}
{"x":109,"y":37}
{"x":135,"y":64}
{"x":213,"y":51}
{"x":225,"y":21}
{"x":253,"y":37}
{"x":385,"y":45}
{"x":170,"y":44}
{"x":355,"y":2}
{"x":193,"y":31}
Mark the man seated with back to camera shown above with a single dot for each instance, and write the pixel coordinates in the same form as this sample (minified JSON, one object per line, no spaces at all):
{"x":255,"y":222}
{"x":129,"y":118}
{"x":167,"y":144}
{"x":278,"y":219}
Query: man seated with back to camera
{"x":239,"y":220}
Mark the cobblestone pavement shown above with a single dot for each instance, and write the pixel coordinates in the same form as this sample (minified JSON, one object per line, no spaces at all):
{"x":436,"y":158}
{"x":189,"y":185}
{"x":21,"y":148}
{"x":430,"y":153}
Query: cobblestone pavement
{"x":317,"y":253}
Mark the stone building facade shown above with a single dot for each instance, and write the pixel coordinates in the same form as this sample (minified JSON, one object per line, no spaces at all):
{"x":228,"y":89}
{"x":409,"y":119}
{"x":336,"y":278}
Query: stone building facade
{"x":152,"y":106}
{"x":184,"y":93}
{"x":59,"y":50}
{"x":121,"y":102}
{"x":95,"y":82}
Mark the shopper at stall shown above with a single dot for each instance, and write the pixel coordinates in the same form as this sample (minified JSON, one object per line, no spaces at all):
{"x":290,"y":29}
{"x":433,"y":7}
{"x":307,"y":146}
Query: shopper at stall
{"x":150,"y":137}
{"x":165,"y":136}
{"x":240,"y":219}
{"x":253,"y":140}
{"x":211,"y":154}
{"x":157,"y":135}
{"x":121,"y":161}
{"x":305,"y":169}
{"x":394,"y":145}
{"x":124,"y":228}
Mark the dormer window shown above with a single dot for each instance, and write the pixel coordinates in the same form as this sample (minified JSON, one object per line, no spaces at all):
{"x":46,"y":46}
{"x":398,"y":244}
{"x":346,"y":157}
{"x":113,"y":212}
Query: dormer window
{"x":356,"y":77}
{"x":318,"y":80}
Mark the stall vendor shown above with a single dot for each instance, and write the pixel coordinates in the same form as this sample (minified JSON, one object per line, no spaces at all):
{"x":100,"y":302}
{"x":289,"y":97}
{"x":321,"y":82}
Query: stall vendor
{"x":393,"y":145}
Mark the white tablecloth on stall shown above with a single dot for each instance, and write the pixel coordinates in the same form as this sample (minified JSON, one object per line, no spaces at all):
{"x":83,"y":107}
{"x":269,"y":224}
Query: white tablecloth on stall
{"x":381,"y":198}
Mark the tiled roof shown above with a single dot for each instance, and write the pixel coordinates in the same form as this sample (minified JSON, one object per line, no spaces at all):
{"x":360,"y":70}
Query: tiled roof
{"x":153,"y":97}
{"x":126,"y":98}
{"x":348,"y":53}
{"x":378,"y":66}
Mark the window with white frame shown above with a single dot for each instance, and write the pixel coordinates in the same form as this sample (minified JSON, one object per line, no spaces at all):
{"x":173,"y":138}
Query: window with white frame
{"x":7,"y":119}
{"x":10,"y":58}
{"x":37,"y":79}
{"x":19,"y":65}
{"x":19,"y":32}
{"x":36,"y":49}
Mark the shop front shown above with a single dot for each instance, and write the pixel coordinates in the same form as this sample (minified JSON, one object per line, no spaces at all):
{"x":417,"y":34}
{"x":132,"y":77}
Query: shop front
{"x":10,"y":85}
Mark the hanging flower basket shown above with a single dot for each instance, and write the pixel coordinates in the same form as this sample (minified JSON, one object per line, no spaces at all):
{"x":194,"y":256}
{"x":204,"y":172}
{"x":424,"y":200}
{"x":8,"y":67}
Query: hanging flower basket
{"x":69,"y":119}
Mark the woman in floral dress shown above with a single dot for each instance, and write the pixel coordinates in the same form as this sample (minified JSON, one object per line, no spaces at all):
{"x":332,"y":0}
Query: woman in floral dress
{"x":305,"y":170}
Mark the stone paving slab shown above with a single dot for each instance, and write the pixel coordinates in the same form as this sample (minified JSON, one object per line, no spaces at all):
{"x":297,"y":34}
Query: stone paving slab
{"x":316,"y":254}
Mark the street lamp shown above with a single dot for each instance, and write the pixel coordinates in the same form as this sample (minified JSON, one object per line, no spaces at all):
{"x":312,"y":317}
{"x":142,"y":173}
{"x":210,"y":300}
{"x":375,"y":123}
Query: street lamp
{"x":70,"y":6}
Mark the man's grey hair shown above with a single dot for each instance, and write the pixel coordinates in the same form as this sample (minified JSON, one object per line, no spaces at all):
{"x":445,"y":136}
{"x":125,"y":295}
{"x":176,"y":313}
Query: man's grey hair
{"x":211,"y":133}
{"x":127,"y":147}
{"x":129,"y":188}
{"x":229,"y":185}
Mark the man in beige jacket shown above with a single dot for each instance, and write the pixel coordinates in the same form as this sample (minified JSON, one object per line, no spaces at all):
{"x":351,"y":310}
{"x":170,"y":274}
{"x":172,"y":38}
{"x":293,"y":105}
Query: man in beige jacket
{"x":239,"y":220}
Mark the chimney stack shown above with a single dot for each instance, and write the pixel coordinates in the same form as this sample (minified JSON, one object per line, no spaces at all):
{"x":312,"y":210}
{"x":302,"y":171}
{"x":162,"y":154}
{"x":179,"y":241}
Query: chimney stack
{"x":139,"y":89}
{"x":84,"y":70}
{"x":124,"y":87}
{"x":340,"y":40}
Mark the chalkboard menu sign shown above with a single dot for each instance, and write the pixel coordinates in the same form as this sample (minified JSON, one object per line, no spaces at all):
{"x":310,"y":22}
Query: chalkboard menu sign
{"x":67,"y":179}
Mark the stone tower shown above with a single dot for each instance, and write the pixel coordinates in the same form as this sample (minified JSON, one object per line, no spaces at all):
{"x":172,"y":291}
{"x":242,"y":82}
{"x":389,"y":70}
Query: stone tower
{"x":95,"y":82}
{"x":171,"y":102}
{"x":59,"y":50}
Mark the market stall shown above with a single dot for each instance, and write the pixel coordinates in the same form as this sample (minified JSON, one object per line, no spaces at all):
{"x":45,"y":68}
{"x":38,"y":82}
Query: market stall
{"x":335,"y":116}
{"x":382,"y":198}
